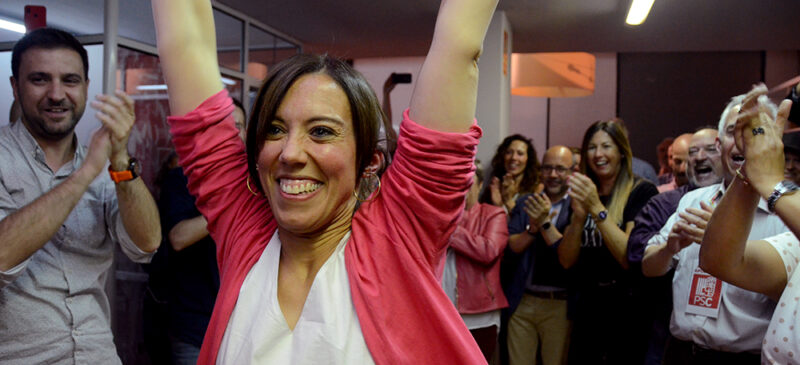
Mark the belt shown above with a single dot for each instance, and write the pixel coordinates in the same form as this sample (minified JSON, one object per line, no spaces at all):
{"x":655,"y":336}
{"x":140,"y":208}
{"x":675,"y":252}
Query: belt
{"x":709,"y":355}
{"x":559,"y":294}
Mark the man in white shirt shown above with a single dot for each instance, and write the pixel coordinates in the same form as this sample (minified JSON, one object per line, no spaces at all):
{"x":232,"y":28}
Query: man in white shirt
{"x":60,"y":212}
{"x":712,"y":322}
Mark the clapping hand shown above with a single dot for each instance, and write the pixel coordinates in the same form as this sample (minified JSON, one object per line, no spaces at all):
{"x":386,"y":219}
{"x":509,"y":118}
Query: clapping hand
{"x":494,"y":189}
{"x":689,"y":228}
{"x":537,"y":206}
{"x":583,"y":191}
{"x":759,"y":136}
{"x":116,"y":112}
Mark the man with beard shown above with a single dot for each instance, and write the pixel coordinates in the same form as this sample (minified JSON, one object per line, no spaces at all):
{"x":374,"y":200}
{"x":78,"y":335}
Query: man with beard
{"x":712,"y":322}
{"x":677,"y":162}
{"x":60,"y":214}
{"x":537,"y":295}
{"x":703,"y":168}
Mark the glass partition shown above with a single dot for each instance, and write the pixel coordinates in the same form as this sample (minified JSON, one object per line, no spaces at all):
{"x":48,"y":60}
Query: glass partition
{"x":230,"y":38}
{"x":265,"y":50}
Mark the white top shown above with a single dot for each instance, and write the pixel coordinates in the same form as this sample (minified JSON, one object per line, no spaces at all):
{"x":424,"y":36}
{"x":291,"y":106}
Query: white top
{"x":327,"y":332}
{"x":449,"y":280}
{"x":781,"y":345}
{"x":743,"y":315}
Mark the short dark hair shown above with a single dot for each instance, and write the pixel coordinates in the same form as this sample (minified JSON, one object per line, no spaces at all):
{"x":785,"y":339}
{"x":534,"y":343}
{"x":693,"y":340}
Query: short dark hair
{"x":364,"y":107}
{"x":47,"y":38}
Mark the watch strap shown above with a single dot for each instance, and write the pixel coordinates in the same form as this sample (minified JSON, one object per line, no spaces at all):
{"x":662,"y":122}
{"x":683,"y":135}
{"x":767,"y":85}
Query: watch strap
{"x":600,"y":216}
{"x":124,"y":175}
{"x":782,"y":188}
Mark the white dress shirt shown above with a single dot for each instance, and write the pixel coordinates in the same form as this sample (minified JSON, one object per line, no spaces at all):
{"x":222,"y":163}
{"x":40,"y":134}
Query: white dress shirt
{"x":743,"y":315}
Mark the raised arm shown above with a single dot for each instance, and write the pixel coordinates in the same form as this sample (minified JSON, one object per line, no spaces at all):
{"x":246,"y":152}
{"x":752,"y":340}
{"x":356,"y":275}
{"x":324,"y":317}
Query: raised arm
{"x":570,"y":247}
{"x":188,"y":232}
{"x":445,"y":95}
{"x":725,"y":252}
{"x":187,"y":50}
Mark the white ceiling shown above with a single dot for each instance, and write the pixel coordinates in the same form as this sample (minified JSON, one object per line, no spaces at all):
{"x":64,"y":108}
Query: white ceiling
{"x":376,"y":28}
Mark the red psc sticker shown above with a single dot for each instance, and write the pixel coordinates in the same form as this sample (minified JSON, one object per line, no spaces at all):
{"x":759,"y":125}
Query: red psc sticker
{"x":704,"y":294}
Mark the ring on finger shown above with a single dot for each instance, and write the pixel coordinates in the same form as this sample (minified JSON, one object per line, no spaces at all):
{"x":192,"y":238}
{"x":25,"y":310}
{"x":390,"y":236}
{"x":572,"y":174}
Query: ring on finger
{"x":758,"y":130}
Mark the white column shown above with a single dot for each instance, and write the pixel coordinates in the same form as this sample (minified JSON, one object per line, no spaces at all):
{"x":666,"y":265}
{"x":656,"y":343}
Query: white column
{"x":494,"y":87}
{"x":111,"y":25}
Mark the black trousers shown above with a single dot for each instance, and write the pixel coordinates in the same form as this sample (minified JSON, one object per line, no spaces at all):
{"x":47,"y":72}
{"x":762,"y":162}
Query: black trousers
{"x":680,"y":352}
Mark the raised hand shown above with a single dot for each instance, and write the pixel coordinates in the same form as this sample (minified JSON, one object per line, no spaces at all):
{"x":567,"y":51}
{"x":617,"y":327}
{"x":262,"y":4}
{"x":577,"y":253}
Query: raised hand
{"x":116,"y":112}
{"x":98,"y":152}
{"x":690,"y":228}
{"x":496,"y":194}
{"x":577,"y":208}
{"x":537,"y":206}
{"x":759,"y":136}
{"x":583,"y":191}
{"x":508,"y":189}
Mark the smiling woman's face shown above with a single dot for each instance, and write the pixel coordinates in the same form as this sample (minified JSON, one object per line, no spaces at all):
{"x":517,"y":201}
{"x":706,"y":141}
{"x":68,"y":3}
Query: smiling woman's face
{"x":516,"y":158}
{"x":603,"y":156}
{"x":307,"y":164}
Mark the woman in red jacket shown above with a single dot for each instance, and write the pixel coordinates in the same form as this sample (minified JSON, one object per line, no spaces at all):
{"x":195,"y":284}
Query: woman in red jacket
{"x":305,"y":278}
{"x":472,"y":269}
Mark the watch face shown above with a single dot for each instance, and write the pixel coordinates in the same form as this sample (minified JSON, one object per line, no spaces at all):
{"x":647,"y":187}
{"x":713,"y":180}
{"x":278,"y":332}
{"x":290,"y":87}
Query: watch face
{"x":602,"y":215}
{"x":135,"y":167}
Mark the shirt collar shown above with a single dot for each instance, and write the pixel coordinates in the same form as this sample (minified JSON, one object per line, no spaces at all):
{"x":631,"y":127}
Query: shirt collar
{"x":32,"y":148}
{"x":720,"y":191}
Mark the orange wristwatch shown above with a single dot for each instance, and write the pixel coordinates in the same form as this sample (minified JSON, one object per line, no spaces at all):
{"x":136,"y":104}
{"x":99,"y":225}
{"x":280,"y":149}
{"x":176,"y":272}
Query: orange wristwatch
{"x":125,"y":175}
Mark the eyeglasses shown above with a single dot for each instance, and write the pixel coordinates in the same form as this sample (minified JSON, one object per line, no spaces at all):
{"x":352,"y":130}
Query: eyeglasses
{"x":561,"y":170}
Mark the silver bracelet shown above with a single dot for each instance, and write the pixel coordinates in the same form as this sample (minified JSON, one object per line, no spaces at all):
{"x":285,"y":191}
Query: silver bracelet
{"x":785,"y":187}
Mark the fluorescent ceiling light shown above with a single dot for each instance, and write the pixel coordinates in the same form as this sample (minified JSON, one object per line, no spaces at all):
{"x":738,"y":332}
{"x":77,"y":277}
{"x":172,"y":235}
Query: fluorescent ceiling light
{"x":12,"y":26}
{"x":639,"y":11}
{"x":225,"y":81}
{"x":151,"y":87}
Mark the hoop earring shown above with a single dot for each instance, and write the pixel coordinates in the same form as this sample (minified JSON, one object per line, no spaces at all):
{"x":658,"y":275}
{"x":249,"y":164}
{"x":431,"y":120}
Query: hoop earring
{"x":249,"y":188}
{"x":373,"y":180}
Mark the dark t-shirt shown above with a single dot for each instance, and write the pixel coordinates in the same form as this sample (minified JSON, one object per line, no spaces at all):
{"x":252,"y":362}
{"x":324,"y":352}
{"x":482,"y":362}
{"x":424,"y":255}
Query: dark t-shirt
{"x":596,"y":266}
{"x":193,"y":277}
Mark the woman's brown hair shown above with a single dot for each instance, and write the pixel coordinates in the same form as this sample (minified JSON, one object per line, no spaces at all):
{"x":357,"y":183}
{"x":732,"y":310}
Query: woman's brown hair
{"x":624,"y":180}
{"x":364,"y":106}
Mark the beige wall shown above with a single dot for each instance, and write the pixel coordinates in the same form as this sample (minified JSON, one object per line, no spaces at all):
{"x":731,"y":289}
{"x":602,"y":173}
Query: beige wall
{"x":569,"y":117}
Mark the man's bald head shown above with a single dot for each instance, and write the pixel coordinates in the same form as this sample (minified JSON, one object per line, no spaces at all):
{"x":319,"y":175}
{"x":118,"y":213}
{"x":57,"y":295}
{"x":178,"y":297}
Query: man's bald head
{"x":556,"y":167}
{"x":680,"y":157}
{"x":705,"y":164}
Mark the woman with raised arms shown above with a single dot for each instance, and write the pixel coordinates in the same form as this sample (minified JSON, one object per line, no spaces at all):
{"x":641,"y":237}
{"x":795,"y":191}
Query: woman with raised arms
{"x":307,"y":275}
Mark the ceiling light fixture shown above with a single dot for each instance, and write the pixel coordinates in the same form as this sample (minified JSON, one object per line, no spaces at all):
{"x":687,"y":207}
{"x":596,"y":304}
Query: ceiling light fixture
{"x":638,"y":12}
{"x":12,"y":26}
{"x":552,"y":75}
